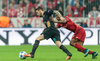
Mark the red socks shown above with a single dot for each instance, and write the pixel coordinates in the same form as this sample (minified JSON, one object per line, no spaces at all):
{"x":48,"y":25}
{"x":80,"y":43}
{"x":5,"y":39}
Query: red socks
{"x":90,"y":52}
{"x":80,"y":48}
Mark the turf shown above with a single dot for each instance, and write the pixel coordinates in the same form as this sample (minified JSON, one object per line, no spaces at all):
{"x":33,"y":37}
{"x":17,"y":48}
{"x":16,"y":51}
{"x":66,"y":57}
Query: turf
{"x":45,"y":53}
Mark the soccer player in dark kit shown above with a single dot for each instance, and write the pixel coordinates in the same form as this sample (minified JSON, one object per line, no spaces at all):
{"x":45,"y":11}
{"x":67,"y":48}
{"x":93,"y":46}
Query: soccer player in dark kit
{"x":49,"y":32}
{"x":78,"y":38}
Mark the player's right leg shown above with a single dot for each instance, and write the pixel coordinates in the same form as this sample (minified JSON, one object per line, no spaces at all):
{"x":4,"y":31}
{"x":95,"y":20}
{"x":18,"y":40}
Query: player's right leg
{"x":87,"y":51}
{"x":79,"y":45}
{"x":35,"y":46}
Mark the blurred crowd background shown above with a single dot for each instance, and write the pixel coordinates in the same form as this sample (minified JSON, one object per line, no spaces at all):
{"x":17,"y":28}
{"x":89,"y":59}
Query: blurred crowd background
{"x":70,"y":8}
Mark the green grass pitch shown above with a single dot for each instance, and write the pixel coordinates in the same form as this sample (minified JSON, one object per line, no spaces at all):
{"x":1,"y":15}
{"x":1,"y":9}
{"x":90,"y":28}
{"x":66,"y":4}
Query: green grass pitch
{"x":45,"y":53}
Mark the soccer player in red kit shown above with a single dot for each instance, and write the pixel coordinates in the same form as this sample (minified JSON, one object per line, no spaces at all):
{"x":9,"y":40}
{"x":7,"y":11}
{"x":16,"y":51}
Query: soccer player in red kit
{"x":79,"y":33}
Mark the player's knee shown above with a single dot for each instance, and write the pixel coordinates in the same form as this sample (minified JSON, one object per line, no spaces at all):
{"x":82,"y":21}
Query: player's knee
{"x":79,"y":50}
{"x":38,"y":39}
{"x":72,"y":43}
{"x":58,"y":43}
{"x":41,"y":37}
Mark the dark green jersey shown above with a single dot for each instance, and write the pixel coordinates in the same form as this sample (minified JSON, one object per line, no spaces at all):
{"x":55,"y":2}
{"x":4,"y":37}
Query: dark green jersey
{"x":50,"y":31}
{"x":46,"y":19}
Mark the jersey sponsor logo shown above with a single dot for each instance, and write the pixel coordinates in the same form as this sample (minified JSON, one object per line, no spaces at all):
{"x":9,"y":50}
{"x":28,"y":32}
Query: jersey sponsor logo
{"x":48,"y":23}
{"x":16,"y":36}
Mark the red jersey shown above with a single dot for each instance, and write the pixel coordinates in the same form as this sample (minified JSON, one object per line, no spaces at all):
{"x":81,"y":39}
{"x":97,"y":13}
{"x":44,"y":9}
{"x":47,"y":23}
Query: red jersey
{"x":69,"y":25}
{"x":79,"y":32}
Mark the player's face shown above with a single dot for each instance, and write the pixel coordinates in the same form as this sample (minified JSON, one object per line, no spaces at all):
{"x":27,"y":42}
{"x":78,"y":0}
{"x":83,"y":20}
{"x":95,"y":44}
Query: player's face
{"x":38,"y":12}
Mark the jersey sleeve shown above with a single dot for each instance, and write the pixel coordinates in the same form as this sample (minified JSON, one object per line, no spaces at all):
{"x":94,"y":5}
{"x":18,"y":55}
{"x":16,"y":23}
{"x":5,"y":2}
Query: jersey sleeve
{"x":50,"y":12}
{"x":46,"y":18}
{"x":58,"y":25}
{"x":47,"y":14}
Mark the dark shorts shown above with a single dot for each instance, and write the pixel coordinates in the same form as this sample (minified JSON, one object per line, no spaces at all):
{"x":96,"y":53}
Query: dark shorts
{"x":54,"y":34}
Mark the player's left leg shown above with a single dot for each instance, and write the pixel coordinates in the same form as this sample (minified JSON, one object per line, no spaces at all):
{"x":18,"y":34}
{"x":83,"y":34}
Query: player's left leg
{"x":35,"y":46}
{"x":56,"y":39}
{"x":78,"y":40}
{"x":87,"y":51}
{"x":64,"y":49}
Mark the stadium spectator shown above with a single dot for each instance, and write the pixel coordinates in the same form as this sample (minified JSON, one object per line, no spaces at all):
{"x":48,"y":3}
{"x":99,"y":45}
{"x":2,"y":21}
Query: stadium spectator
{"x":94,"y":17}
{"x":77,"y":10}
{"x":4,"y":11}
{"x":99,"y":8}
{"x":21,"y":11}
{"x":83,"y":24}
{"x":26,"y":24}
{"x":89,"y":5}
{"x":12,"y":11}
{"x":70,"y":2}
{"x":73,"y":2}
{"x":13,"y":2}
{"x":97,"y":21}
{"x":4,"y":7}
{"x":32,"y":1}
{"x":32,"y":12}
{"x":60,"y":4}
{"x":69,"y":11}
{"x":30,"y":5}
{"x":50,"y":4}
{"x":22,"y":3}
{"x":60,"y":8}
{"x":55,"y":4}
{"x":4,"y":3}
{"x":94,"y":13}
{"x":38,"y":3}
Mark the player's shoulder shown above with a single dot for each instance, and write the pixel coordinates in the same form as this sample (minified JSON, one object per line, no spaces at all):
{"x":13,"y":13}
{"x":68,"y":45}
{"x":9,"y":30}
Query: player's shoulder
{"x":48,"y":12}
{"x":67,"y":18}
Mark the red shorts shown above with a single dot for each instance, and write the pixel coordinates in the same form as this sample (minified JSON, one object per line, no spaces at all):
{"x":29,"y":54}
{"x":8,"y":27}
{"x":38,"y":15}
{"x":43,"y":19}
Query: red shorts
{"x":79,"y":34}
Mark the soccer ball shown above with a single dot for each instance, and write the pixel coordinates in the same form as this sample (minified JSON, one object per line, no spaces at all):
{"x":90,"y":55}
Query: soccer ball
{"x":21,"y":55}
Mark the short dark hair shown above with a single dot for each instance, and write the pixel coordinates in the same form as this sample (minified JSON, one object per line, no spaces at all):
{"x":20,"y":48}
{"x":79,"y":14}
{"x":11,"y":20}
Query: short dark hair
{"x":61,"y":13}
{"x":39,"y":8}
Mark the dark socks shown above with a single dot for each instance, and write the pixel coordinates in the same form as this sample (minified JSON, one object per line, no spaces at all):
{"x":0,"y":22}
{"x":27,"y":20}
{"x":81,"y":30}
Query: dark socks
{"x":35,"y":46}
{"x":65,"y":50}
{"x":86,"y":50}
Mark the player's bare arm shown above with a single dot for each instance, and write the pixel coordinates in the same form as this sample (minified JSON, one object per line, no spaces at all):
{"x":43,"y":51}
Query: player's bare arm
{"x":59,"y":17}
{"x":60,"y":21}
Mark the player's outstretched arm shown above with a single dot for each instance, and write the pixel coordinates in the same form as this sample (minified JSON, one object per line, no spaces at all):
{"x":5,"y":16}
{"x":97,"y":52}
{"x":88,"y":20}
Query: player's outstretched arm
{"x":57,"y":13}
{"x":60,"y":21}
{"x":61,"y":18}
